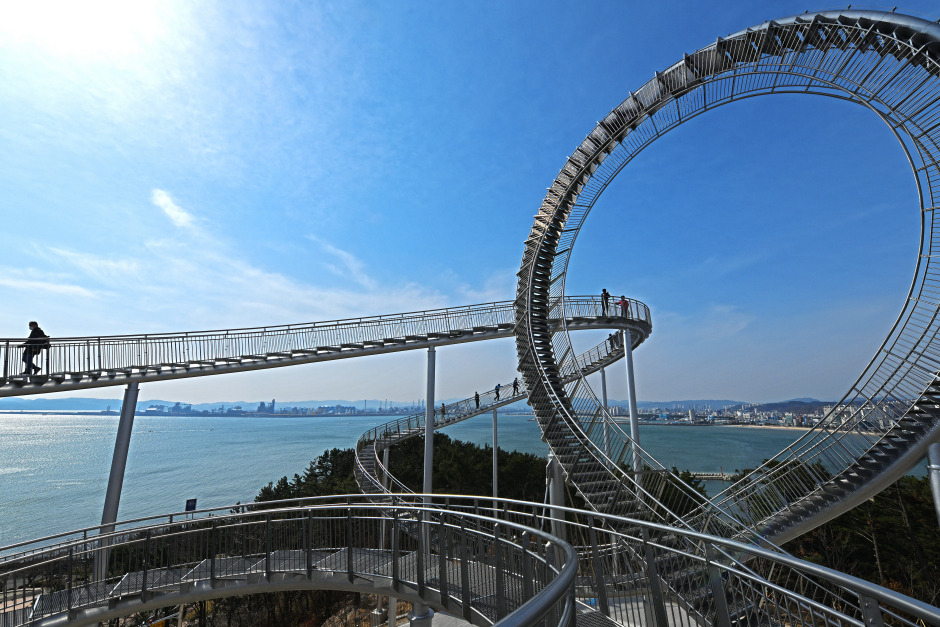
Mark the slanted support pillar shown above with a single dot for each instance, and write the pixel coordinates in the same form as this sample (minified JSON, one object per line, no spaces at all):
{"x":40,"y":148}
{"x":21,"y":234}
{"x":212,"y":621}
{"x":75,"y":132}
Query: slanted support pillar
{"x":385,"y":463}
{"x":495,"y":461}
{"x":933,"y":468}
{"x":634,"y":417}
{"x":556,"y":496}
{"x":116,"y":479}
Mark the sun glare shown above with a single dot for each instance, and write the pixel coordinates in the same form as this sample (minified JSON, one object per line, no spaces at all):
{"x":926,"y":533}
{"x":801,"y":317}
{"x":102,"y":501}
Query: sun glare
{"x":92,"y":28}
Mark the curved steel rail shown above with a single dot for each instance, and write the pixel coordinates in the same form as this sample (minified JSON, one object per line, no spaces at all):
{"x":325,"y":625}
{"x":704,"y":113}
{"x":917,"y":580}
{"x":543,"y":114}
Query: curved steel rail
{"x":483,"y":559}
{"x":889,"y":64}
{"x":86,"y":362}
{"x":486,"y":570}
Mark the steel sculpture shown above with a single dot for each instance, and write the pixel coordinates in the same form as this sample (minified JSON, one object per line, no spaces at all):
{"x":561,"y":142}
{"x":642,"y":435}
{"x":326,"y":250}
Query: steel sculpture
{"x":885,"y":62}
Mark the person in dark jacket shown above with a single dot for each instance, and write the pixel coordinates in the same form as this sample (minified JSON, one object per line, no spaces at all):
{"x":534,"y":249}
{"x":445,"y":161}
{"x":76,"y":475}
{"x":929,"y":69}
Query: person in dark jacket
{"x":33,"y":346}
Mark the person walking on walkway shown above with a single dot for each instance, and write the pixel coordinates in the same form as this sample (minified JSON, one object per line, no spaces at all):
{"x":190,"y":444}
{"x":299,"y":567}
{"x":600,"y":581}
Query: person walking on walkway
{"x":497,"y":391}
{"x":515,"y":386}
{"x":476,"y":399}
{"x":33,"y":346}
{"x":605,"y":302}
{"x":443,"y":412}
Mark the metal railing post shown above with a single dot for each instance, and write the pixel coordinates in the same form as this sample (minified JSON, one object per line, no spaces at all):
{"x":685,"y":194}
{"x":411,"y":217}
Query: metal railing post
{"x":722,"y":616}
{"x":396,"y":574}
{"x":267,"y":547}
{"x":308,"y":541}
{"x":442,"y":561}
{"x":465,"y":600}
{"x":212,"y":532}
{"x":656,"y":590}
{"x":601,"y":591}
{"x":528,"y":576}
{"x":871,"y":611}
{"x":349,"y":542}
{"x":146,"y":566}
{"x":68,"y":592}
{"x":500,"y":576}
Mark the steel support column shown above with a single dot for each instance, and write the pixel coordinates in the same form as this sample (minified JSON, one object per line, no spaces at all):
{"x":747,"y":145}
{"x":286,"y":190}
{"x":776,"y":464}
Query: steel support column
{"x":631,"y":391}
{"x":495,"y":461}
{"x":112,"y":497}
{"x":606,"y":413}
{"x":420,"y":613}
{"x":556,"y":497}
{"x":933,"y":468}
{"x":429,"y":428}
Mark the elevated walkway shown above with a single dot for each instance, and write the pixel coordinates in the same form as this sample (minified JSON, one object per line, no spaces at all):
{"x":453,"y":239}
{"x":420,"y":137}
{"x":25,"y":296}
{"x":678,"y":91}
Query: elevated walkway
{"x":88,"y":362}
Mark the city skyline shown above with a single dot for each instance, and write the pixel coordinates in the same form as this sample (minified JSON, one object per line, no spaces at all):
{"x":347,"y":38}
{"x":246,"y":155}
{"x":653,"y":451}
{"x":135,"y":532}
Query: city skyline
{"x":174,"y":167}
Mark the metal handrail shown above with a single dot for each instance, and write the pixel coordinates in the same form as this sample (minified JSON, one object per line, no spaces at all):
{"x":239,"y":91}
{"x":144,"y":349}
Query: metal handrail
{"x":730,"y":579}
{"x":313,"y":542}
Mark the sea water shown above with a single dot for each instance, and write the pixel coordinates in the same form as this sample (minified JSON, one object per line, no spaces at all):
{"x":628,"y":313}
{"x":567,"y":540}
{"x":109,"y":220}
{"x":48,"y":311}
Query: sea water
{"x":54,"y":468}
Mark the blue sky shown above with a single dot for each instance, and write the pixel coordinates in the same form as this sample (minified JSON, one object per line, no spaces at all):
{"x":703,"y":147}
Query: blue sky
{"x":194,"y":165}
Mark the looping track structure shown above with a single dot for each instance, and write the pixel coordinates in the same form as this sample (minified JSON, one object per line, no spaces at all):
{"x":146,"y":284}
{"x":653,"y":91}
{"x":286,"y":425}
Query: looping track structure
{"x":889,"y":64}
{"x":885,"y":62}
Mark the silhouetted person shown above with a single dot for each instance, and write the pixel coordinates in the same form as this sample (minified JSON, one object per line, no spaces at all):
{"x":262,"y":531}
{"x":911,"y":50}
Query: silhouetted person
{"x":515,"y":386}
{"x":605,"y":301}
{"x":443,"y":412}
{"x":497,"y":391}
{"x":476,"y":399}
{"x":33,"y":346}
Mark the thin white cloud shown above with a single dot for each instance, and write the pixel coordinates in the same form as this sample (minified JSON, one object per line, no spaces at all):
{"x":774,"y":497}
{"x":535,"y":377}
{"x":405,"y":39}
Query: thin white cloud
{"x":349,"y":266}
{"x":179,"y":216}
{"x":31,"y":286}
{"x":98,"y":267}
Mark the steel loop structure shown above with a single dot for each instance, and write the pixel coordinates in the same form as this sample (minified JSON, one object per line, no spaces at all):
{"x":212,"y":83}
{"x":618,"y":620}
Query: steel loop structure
{"x":885,"y":62}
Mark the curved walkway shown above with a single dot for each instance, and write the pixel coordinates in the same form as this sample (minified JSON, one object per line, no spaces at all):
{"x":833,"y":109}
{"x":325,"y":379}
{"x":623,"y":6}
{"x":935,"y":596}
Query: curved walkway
{"x":481,"y":559}
{"x":374,"y":478}
{"x":476,"y":567}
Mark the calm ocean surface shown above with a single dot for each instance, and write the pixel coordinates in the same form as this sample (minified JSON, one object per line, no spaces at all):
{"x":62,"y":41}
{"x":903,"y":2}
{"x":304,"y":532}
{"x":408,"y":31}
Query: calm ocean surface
{"x":54,"y":468}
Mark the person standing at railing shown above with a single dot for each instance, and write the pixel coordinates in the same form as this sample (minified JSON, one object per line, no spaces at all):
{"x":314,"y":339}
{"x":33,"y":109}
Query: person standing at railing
{"x":476,"y":399}
{"x":37,"y":341}
{"x":443,"y":412}
{"x":605,"y":302}
{"x":624,"y":306}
